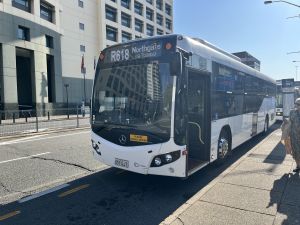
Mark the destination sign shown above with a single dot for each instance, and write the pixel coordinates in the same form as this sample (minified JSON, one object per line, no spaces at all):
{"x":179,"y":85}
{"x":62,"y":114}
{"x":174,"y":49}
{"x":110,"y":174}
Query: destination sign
{"x":149,"y":49}
{"x":288,"y":85}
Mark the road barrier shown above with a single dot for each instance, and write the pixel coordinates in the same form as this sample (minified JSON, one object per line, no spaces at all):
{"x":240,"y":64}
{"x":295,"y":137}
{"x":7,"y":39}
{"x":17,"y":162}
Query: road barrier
{"x":14,"y":122}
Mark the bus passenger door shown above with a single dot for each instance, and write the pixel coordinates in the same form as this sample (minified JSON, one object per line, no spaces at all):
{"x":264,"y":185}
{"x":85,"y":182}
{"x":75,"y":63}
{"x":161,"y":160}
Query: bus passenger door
{"x":198,"y":129}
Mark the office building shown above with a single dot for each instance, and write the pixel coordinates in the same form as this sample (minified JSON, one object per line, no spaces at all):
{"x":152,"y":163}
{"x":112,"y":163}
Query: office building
{"x":50,"y":47}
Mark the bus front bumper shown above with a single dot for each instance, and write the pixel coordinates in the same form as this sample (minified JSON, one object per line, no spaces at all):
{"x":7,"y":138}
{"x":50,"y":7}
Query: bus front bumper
{"x":139,"y":159}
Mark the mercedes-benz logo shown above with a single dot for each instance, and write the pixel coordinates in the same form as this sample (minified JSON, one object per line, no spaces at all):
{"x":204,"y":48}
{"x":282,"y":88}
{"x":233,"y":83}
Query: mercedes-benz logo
{"x":122,"y":139}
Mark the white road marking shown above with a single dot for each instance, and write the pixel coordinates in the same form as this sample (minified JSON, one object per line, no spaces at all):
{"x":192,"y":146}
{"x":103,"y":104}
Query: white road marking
{"x":37,"y":195}
{"x":21,"y":139}
{"x":38,"y":139}
{"x":26,"y":157}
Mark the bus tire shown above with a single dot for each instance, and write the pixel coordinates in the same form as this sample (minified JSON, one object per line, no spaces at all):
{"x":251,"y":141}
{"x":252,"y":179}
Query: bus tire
{"x":224,"y":146}
{"x":266,"y":125}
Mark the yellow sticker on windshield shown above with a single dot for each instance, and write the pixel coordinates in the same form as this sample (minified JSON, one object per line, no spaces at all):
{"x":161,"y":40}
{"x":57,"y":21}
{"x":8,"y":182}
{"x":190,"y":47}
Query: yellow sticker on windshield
{"x":138,"y":138}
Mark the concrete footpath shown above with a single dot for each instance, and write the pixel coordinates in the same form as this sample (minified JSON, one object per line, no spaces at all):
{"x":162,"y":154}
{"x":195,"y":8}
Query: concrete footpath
{"x":259,"y":189}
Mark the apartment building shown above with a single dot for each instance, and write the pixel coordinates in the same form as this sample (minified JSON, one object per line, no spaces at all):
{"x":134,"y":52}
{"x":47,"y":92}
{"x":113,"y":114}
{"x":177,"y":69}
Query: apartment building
{"x":51,"y":47}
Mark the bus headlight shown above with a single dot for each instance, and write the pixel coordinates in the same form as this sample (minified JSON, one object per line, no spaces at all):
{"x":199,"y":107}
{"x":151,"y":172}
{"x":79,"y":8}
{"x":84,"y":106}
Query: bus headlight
{"x":157,"y":161}
{"x":164,"y":159}
{"x":168,"y":158}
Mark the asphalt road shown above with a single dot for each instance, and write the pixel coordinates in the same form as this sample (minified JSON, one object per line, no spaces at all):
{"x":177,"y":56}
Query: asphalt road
{"x":101,"y":196}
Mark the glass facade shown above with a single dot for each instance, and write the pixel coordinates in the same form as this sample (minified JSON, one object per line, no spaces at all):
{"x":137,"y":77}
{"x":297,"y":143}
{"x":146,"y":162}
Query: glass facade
{"x":110,"y":13}
{"x":22,"y":4}
{"x":111,"y":33}
{"x":23,"y":33}
{"x":125,"y":20}
{"x":149,"y":14}
{"x":139,"y":25}
{"x":138,"y":8}
{"x":46,"y":11}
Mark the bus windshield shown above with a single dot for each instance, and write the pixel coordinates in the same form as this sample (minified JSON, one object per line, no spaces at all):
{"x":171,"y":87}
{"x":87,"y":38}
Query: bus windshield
{"x":136,"y":98}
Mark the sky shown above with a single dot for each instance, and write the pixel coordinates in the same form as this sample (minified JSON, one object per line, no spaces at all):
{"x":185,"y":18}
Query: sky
{"x":246,"y":25}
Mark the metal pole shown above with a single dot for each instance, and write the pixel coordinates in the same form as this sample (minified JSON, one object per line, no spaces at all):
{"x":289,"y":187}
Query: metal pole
{"x":296,"y":73}
{"x":77,"y":119}
{"x":36,"y":122}
{"x":68,"y":103}
{"x":84,"y":87}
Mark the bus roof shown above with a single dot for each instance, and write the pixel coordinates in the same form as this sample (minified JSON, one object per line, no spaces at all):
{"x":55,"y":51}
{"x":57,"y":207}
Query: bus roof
{"x":214,"y":53}
{"x":207,"y":50}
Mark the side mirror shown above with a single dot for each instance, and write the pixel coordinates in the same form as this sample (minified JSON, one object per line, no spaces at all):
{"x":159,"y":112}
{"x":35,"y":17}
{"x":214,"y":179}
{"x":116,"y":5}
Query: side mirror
{"x":176,"y":64}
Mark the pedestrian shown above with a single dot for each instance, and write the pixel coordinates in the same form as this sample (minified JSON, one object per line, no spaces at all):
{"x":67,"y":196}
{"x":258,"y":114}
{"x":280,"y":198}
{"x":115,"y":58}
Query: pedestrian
{"x":286,"y":135}
{"x":295,"y":133}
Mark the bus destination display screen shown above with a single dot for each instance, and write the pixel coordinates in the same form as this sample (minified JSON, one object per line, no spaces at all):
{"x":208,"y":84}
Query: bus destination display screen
{"x":149,"y":49}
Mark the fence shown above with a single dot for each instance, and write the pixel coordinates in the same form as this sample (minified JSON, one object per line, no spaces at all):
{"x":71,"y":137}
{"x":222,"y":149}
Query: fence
{"x":28,"y":121}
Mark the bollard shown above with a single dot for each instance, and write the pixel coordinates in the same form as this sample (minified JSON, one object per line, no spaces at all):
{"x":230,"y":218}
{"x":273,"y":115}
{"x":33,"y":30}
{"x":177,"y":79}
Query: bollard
{"x":48,"y":115}
{"x":36,"y":122}
{"x":26,"y":119}
{"x":14,"y":118}
{"x":77,"y":118}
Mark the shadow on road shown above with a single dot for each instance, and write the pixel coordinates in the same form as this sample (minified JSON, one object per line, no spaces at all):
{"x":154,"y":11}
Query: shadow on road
{"x":119,"y":197}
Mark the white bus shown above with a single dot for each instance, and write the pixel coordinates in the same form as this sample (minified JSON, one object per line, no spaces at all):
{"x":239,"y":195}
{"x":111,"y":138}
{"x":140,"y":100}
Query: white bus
{"x":170,"y":105}
{"x":279,"y":100}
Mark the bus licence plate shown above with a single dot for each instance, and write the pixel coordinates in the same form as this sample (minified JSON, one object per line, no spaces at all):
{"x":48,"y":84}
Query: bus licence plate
{"x":121,"y":162}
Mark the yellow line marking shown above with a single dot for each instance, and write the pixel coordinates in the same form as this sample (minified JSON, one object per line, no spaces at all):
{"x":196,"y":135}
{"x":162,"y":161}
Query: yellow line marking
{"x":73,"y":190}
{"x":8,"y":215}
{"x":120,"y":172}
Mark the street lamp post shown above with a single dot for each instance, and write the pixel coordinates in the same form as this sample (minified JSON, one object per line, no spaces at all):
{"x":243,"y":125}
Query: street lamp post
{"x":295,"y":61}
{"x":269,"y":2}
{"x":66,"y":86}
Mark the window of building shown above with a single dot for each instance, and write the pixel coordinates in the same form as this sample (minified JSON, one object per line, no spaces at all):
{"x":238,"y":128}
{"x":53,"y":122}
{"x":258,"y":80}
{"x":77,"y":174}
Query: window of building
{"x":149,"y":14}
{"x":150,"y":30}
{"x":126,"y":36}
{"x":159,"y":19}
{"x":125,"y":20}
{"x":22,"y":4}
{"x":82,"y":48}
{"x":80,"y":3}
{"x":138,"y":8}
{"x":159,"y":4}
{"x":159,"y":32}
{"x":168,"y":9}
{"x":46,"y":11}
{"x":169,"y":24}
{"x":23,"y":33}
{"x":137,"y":37}
{"x":110,"y":13}
{"x":125,"y":3}
{"x":81,"y":26}
{"x":150,"y":1}
{"x":111,"y":33}
{"x":139,"y":25}
{"x":49,"y":41}
{"x":114,"y":0}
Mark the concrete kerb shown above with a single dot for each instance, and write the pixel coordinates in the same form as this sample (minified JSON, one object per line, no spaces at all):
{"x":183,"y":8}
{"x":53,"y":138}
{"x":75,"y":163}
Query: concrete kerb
{"x":170,"y":219}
